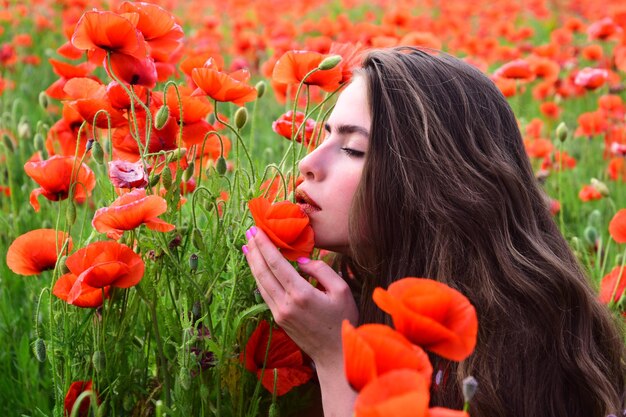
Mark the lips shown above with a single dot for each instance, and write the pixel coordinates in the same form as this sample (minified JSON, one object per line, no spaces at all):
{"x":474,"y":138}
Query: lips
{"x":305,"y":202}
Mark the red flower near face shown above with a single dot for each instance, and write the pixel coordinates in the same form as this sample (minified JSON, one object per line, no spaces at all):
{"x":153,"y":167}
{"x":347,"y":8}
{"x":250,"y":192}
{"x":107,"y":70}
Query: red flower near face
{"x":284,"y":126}
{"x":372,"y":350}
{"x":283,"y":357}
{"x":617,"y":226}
{"x":518,"y":69}
{"x":221,"y":86}
{"x":124,"y":174}
{"x":293,"y":66}
{"x":613,"y":285}
{"x":130,"y":211}
{"x":399,"y":393}
{"x":57,"y":176}
{"x":431,"y":315}
{"x":36,"y":251}
{"x":285,"y":224}
{"x":591,"y":78}
{"x":77,"y":388}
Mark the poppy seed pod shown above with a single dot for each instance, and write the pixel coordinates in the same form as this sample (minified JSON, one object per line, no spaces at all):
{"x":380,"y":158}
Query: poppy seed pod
{"x":44,"y":101}
{"x":470,"y":385}
{"x":161,"y":117}
{"x":39,"y":349}
{"x":193,"y":263}
{"x":241,"y":117}
{"x":260,"y":88}
{"x":562,"y":131}
{"x":220,"y":166}
{"x":329,"y":63}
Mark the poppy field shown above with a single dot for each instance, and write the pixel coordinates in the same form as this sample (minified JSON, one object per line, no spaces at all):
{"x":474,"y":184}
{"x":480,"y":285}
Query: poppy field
{"x":141,"y":140}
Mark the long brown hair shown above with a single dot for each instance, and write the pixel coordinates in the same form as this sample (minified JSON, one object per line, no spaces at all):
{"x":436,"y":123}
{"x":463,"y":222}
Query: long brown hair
{"x":448,"y":193}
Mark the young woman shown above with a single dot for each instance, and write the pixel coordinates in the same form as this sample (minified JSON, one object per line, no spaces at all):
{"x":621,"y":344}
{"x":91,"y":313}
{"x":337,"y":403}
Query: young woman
{"x":423,"y":173}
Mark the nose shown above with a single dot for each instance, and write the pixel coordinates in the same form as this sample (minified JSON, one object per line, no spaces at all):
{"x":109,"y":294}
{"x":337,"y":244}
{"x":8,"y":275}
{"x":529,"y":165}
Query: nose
{"x":310,"y":167}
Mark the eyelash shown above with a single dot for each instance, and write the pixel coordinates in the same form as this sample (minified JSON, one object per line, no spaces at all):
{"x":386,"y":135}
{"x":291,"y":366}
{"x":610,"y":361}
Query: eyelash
{"x":353,"y":153}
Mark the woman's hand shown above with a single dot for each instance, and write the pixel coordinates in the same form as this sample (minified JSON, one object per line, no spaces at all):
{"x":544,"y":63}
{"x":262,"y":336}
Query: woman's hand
{"x":310,"y":316}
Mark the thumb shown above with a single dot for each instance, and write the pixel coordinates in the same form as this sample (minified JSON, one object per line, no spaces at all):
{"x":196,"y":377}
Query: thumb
{"x":323,"y":273}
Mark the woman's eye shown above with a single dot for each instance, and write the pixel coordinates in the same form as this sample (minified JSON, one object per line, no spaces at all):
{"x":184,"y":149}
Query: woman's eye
{"x":353,"y":152}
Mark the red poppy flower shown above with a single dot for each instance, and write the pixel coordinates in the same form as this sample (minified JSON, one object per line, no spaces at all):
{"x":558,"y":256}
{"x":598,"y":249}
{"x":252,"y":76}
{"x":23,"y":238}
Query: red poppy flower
{"x":603,"y":29}
{"x":77,"y":388}
{"x":351,"y":56}
{"x":130,"y":211}
{"x":589,"y":193}
{"x":283,"y":357}
{"x":617,"y":226}
{"x":591,"y":123}
{"x":292,"y":67}
{"x":221,"y":86}
{"x":285,"y":224}
{"x":518,"y":69}
{"x":538,"y":148}
{"x":284,"y":126}
{"x":108,"y":32}
{"x":373,"y":350}
{"x":431,"y":315}
{"x":89,"y":297}
{"x":446,"y":412}
{"x":133,"y":70}
{"x":36,"y":251}
{"x":591,"y":78}
{"x":90,"y":98}
{"x":613,"y":283}
{"x":56,"y":175}
{"x":124,"y":174}
{"x":274,"y":188}
{"x":399,"y":393}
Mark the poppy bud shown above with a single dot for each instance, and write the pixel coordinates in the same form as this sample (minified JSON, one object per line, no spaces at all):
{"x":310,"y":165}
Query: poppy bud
{"x":257,"y":296}
{"x":591,"y":235}
{"x":88,"y":146}
{"x":154,"y":180}
{"x":469,"y":388}
{"x":600,"y":186}
{"x":260,"y":88}
{"x":39,"y":349}
{"x":23,"y":130}
{"x":196,"y":309}
{"x":70,"y":215}
{"x":220,"y":166}
{"x":198,"y":242}
{"x":97,"y":152}
{"x":188,"y":173}
{"x":8,"y":143}
{"x":44,"y":101}
{"x":193,"y":263}
{"x":562,"y":131}
{"x":161,"y":117}
{"x":166,"y":177}
{"x":241,"y":117}
{"x":184,"y":378}
{"x":595,"y":217}
{"x":176,"y":154}
{"x":273,"y":411}
{"x":64,"y":269}
{"x":158,"y":406}
{"x":329,"y":62}
{"x":98,"y":361}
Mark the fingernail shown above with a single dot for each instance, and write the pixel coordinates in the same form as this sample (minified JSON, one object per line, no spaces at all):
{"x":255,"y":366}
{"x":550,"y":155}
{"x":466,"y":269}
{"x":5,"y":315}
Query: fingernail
{"x":253,"y":230}
{"x":303,"y":260}
{"x":249,"y":234}
{"x":245,"y":249}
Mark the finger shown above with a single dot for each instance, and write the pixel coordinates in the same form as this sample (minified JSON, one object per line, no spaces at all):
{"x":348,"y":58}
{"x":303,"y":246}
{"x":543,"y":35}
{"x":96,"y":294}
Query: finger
{"x":268,"y":285}
{"x":324,"y":274}
{"x":280,"y":267}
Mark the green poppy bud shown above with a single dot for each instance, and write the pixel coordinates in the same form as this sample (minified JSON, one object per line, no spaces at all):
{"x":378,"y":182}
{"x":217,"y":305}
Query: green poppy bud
{"x":260,"y":88}
{"x":161,"y":117}
{"x":70,"y":215}
{"x":8,"y":143}
{"x":562,"y":131}
{"x":98,"y":361}
{"x":62,"y":266}
{"x":595,"y":217}
{"x":329,"y":62}
{"x":220,"y":166}
{"x":154,"y":180}
{"x":197,"y":239}
{"x":44,"y":100}
{"x":274,"y":410}
{"x":600,"y":186}
{"x":193,"y":262}
{"x":166,"y":177}
{"x":97,"y":152}
{"x":189,"y":171}
{"x":176,"y":154}
{"x":39,"y":349}
{"x":591,"y":235}
{"x":39,"y":142}
{"x":241,"y":117}
{"x":23,"y":130}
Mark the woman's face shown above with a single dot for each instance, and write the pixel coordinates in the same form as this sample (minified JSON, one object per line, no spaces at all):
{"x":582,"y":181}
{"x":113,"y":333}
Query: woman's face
{"x":332,"y":171}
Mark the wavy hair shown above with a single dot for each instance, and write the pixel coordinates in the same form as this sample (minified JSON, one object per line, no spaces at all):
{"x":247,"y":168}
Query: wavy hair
{"x":448,"y":193}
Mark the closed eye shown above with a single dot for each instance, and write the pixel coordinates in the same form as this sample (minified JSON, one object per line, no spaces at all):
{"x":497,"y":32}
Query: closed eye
{"x":353,"y":153}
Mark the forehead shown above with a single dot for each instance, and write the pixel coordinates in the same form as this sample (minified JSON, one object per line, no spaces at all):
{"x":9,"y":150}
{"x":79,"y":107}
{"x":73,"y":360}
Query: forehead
{"x":352,"y":105}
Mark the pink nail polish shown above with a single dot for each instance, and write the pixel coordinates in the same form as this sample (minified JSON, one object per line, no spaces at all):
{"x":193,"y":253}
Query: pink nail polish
{"x":253,"y":230}
{"x":249,"y":234}
{"x":303,"y":260}
{"x":245,"y":249}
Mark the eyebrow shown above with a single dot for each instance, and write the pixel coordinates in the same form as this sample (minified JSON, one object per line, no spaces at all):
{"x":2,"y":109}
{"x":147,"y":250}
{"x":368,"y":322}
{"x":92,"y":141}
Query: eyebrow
{"x":348,"y":129}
